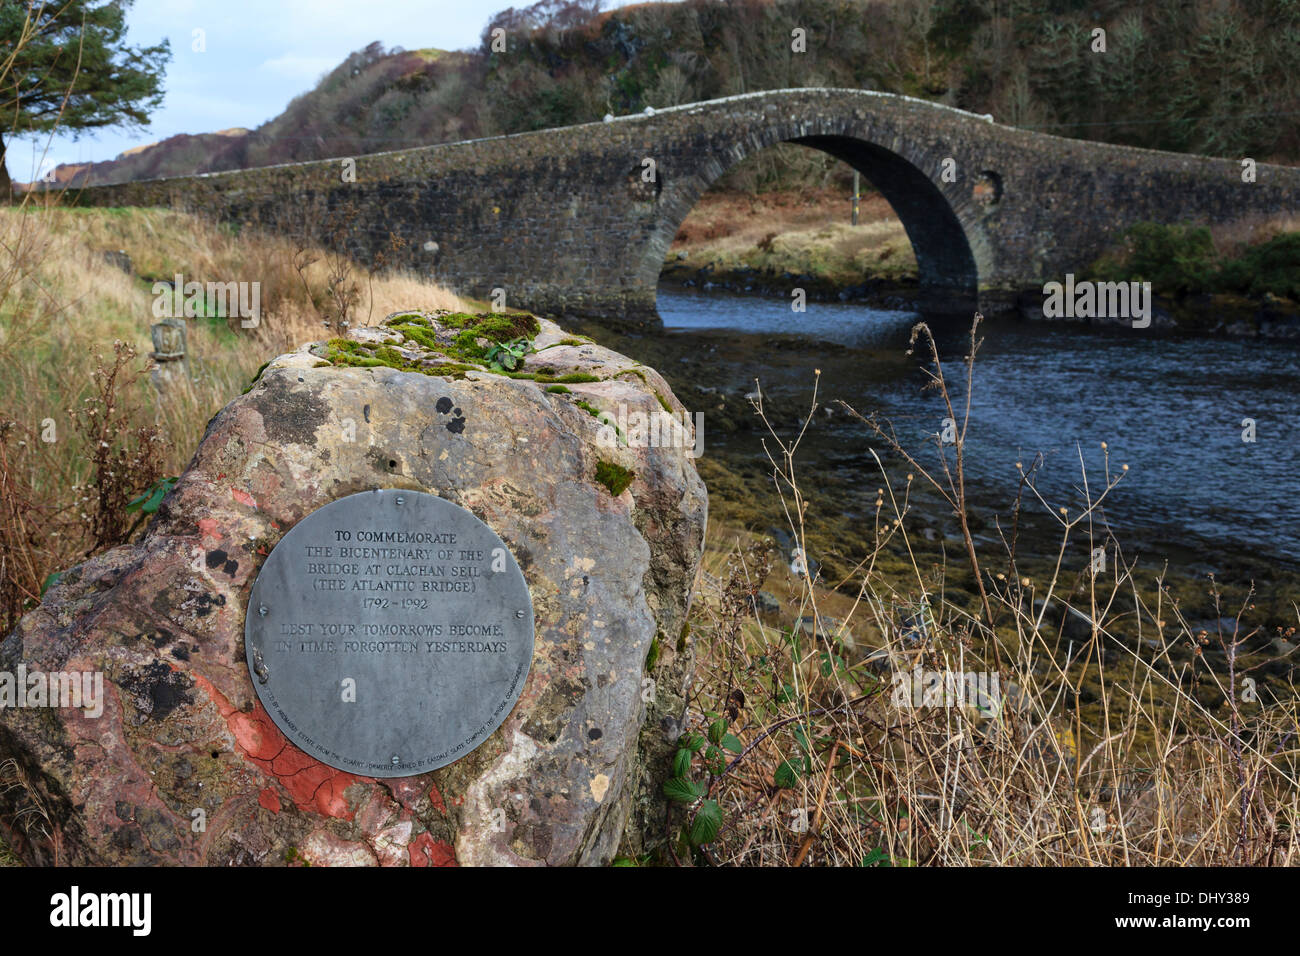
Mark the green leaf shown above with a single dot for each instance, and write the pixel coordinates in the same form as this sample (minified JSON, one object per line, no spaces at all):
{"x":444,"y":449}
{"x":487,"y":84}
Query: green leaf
{"x":694,"y":743}
{"x":717,"y":729}
{"x":787,"y":775}
{"x":683,"y":790}
{"x":801,"y":736}
{"x":151,"y":498}
{"x":714,"y":761}
{"x":50,"y":581}
{"x":707,"y":823}
{"x":682,"y":762}
{"x":731,"y":742}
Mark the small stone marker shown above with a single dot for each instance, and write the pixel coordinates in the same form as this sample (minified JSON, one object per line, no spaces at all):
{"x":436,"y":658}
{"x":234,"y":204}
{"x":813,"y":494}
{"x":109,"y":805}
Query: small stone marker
{"x":389,"y":633}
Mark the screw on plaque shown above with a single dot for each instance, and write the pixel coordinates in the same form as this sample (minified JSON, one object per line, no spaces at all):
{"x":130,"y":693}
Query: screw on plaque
{"x":396,"y":761}
{"x":401,"y":500}
{"x":519,"y":614}
{"x":261,"y":611}
{"x":259,"y":667}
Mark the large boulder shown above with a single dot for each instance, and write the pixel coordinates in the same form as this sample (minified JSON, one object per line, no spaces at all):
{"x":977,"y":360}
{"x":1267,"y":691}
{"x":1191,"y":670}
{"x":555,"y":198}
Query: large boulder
{"x":185,"y":766}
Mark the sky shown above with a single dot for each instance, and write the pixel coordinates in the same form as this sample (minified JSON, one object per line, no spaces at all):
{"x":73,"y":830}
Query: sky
{"x":259,"y":55}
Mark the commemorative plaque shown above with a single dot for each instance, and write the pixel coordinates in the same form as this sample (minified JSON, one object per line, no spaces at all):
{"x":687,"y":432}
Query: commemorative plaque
{"x":389,"y":633}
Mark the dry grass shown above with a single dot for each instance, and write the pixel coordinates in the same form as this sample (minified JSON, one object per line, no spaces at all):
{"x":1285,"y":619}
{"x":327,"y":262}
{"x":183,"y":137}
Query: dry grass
{"x":62,"y":307}
{"x":1232,"y":239}
{"x":834,"y":763}
{"x":805,"y":233}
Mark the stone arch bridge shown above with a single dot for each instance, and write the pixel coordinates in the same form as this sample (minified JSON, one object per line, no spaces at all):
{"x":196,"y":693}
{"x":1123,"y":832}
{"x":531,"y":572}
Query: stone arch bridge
{"x":565,"y":220}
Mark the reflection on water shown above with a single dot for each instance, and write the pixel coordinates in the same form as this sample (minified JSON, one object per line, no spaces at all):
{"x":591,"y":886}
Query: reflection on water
{"x":1171,"y":408}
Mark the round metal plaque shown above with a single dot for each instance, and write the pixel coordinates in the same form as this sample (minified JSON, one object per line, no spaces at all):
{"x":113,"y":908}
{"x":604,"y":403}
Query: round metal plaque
{"x":389,"y":633}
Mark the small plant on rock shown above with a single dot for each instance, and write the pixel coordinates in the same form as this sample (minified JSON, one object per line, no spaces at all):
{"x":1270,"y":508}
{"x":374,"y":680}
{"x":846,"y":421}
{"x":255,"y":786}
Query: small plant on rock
{"x":508,"y":356}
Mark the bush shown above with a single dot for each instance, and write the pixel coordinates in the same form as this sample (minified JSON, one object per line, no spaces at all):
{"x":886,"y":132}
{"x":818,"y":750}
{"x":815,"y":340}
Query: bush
{"x":1177,"y":260}
{"x":1174,"y":259}
{"x":1273,"y":266}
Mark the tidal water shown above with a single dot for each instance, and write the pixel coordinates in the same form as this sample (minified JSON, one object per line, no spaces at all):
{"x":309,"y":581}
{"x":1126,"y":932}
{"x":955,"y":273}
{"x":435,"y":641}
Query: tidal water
{"x":1171,"y":408}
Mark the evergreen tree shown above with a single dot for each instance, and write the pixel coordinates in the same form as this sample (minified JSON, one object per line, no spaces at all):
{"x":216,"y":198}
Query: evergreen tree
{"x":63,"y":64}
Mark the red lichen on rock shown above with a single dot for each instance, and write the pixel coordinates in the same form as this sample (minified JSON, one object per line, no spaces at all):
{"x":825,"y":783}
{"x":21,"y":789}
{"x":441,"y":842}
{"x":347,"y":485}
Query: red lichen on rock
{"x":426,"y":851}
{"x":408,"y":791}
{"x":244,"y":498}
{"x":311,"y":784}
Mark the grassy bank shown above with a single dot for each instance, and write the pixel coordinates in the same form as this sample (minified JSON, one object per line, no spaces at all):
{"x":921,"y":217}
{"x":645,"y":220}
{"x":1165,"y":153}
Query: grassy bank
{"x":1242,"y":278}
{"x":780,"y":240}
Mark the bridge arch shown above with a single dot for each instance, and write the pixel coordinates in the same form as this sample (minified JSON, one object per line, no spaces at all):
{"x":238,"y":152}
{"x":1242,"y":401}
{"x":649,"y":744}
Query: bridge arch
{"x":941,"y":219}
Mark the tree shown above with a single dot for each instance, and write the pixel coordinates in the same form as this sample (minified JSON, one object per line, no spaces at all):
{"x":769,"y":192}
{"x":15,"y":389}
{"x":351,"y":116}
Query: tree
{"x":66,"y":66}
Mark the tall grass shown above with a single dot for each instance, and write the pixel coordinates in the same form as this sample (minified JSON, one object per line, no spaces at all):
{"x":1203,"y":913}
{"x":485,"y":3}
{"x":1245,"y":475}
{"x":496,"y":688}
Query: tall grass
{"x":81,"y":425}
{"x":1134,"y":740}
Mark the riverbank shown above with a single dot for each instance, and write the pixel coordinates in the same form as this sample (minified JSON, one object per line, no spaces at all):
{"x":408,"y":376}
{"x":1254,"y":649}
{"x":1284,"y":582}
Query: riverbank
{"x":770,"y":244}
{"x":1185,"y":549}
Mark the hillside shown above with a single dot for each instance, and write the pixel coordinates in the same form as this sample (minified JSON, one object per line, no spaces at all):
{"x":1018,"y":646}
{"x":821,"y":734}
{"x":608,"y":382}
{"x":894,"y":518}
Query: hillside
{"x":1221,"y":78}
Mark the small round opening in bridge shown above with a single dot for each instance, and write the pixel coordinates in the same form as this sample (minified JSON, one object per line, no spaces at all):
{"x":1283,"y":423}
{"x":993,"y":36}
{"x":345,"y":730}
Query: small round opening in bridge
{"x":988,"y":188}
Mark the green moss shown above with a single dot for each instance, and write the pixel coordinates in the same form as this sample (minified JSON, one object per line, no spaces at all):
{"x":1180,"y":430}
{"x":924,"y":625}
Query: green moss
{"x":455,"y":369}
{"x":420,"y":334}
{"x":347,"y":346}
{"x":614,"y":477}
{"x":596,"y":413}
{"x":664,"y":403}
{"x":346,"y":353}
{"x":681,"y":638}
{"x":256,"y":376}
{"x":558,"y":390}
{"x":635,"y":371}
{"x":494,"y":327}
{"x":464,"y":351}
{"x":540,"y":378}
{"x":572,"y":378}
{"x":652,"y":656}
